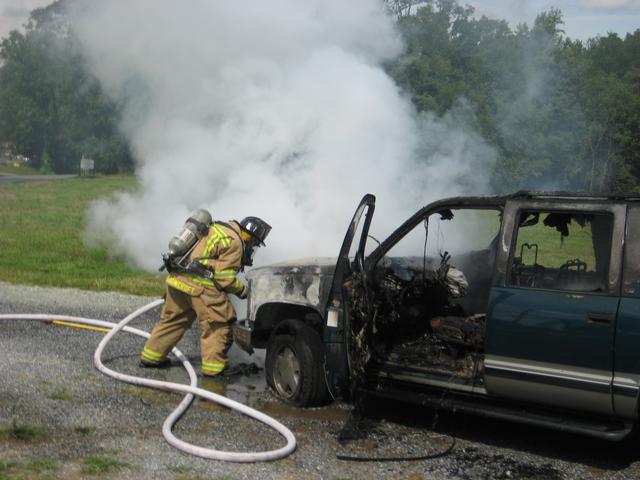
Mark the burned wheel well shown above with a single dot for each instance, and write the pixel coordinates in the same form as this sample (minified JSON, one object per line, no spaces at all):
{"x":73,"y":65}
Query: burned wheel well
{"x":278,"y":316}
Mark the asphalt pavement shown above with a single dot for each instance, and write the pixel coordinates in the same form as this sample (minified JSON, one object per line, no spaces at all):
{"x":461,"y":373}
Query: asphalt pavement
{"x":5,"y":179}
{"x":49,"y":384}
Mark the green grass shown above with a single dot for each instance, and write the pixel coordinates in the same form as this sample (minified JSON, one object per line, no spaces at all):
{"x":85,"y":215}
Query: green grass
{"x":35,"y":468}
{"x":21,"y":170}
{"x":6,"y":470}
{"x":21,"y":431}
{"x":97,"y":465}
{"x":41,"y":465}
{"x":60,"y":394}
{"x":41,"y":225}
{"x":179,"y":469}
{"x":553,"y":250}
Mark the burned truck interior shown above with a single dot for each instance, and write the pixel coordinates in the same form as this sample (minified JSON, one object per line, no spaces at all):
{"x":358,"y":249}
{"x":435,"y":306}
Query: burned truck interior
{"x":424,"y":303}
{"x":421,"y":309}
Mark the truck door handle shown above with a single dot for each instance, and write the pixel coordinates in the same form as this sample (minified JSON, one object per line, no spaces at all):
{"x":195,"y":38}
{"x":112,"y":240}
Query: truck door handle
{"x":604,"y":318}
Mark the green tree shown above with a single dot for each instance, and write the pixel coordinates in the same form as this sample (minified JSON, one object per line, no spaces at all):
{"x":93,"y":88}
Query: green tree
{"x":562,"y":114}
{"x":612,"y":98}
{"x":24,"y":96}
{"x":51,"y":108}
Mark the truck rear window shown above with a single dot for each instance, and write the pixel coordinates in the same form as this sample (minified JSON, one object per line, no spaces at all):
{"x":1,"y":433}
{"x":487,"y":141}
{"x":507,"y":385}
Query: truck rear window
{"x":562,"y":251}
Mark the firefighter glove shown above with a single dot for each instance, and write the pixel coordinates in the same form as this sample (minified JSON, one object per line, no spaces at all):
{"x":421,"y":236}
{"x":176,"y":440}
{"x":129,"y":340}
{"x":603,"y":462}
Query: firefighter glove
{"x":243,"y":294}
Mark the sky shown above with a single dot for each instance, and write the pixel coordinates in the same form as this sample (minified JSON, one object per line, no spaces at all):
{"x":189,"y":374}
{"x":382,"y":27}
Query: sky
{"x":583,"y":18}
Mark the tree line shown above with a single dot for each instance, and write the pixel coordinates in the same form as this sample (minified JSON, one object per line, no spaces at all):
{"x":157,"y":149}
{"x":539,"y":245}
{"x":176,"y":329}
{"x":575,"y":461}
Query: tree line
{"x":52,"y":110}
{"x":560,"y":113}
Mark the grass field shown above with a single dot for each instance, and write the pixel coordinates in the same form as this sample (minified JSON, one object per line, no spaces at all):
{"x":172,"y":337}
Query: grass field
{"x":554,"y":250}
{"x":41,"y":225}
{"x":21,"y":170}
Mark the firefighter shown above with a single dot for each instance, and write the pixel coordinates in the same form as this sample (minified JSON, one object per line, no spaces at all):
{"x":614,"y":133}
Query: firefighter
{"x":223,"y":252}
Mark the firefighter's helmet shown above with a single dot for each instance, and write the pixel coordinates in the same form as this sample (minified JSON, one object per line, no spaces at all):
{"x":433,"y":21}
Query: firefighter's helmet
{"x":257,"y":229}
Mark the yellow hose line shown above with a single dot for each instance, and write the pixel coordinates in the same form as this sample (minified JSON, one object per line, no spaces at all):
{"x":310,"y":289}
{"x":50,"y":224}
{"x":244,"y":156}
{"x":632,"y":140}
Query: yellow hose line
{"x":77,"y":325}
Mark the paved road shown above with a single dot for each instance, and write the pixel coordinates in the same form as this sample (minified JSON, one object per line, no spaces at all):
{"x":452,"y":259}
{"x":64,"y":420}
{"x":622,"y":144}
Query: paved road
{"x":47,"y":380}
{"x":4,"y":179}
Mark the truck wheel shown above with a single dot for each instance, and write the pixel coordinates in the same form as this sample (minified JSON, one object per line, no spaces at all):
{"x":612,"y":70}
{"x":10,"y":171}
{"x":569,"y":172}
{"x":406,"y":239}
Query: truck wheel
{"x":294,"y":368}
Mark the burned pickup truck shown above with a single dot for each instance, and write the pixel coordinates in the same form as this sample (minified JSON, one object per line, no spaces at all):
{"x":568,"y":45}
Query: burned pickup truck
{"x":522,"y":307}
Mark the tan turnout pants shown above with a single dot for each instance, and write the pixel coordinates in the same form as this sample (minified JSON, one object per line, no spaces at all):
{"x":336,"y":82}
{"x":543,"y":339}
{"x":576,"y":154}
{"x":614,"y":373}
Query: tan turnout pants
{"x":215,"y":314}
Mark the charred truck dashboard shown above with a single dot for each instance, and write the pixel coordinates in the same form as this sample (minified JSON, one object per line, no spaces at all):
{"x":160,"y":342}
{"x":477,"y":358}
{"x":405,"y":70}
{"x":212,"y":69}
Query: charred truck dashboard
{"x":523,"y":307}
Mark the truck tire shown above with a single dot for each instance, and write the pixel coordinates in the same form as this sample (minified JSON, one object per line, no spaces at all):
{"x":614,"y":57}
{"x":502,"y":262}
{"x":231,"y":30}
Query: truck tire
{"x":295,"y":367}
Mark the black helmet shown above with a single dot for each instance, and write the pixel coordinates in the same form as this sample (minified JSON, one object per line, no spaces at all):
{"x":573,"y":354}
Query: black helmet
{"x":257,"y":228}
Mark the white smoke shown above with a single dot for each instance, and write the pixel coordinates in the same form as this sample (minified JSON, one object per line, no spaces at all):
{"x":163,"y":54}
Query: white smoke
{"x":276,"y":109}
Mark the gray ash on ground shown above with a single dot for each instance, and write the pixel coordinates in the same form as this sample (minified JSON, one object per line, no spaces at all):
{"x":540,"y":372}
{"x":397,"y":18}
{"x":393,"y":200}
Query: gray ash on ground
{"x":471,"y":464}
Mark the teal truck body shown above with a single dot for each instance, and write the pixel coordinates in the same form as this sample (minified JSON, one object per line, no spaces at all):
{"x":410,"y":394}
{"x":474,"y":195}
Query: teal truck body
{"x":524,"y":307}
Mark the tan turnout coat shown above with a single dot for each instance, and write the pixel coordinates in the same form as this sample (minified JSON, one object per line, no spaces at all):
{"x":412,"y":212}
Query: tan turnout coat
{"x":189,"y":296}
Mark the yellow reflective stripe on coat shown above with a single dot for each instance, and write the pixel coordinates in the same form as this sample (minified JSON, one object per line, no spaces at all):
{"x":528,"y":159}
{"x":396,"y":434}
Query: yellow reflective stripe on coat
{"x":182,"y":286}
{"x":224,"y":238}
{"x":228,"y":273}
{"x":211,"y":243}
{"x":236,"y":287}
{"x":203,"y":282}
{"x":218,"y":235}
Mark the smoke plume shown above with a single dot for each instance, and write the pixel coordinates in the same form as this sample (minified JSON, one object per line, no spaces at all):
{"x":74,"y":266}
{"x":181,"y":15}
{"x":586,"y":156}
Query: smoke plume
{"x":276,"y":109}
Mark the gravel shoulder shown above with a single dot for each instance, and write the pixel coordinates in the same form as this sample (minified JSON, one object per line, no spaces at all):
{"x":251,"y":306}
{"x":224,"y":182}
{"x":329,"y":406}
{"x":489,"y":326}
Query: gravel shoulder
{"x":81,"y":417}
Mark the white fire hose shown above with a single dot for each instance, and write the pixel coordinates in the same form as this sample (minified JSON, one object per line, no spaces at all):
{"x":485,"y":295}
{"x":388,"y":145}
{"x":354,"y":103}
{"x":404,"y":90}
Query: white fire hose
{"x":190,"y":390}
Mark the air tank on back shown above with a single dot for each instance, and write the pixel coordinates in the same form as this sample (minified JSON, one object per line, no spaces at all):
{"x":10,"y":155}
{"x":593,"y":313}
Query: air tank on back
{"x":196,"y":227}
